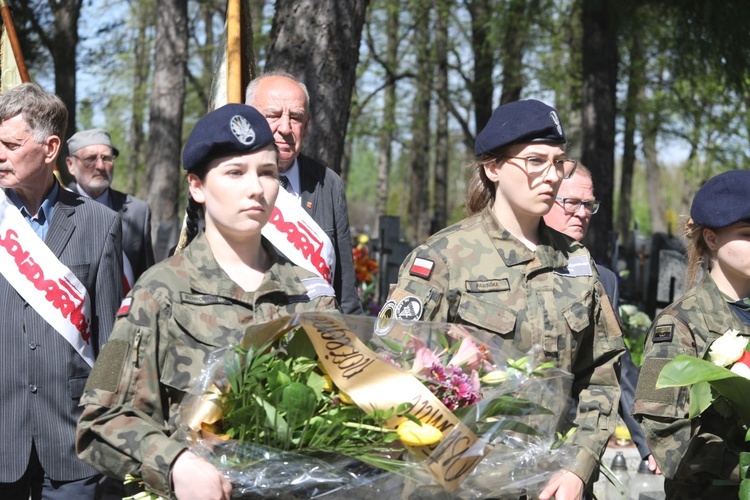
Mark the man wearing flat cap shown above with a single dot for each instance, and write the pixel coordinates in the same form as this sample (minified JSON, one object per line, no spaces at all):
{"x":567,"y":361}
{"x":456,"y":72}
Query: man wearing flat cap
{"x":91,"y":161}
{"x":503,"y":270}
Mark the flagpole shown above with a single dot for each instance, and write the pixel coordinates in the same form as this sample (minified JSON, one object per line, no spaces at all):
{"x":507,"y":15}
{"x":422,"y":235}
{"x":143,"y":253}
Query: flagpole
{"x":13,"y":38}
{"x":234,"y":52}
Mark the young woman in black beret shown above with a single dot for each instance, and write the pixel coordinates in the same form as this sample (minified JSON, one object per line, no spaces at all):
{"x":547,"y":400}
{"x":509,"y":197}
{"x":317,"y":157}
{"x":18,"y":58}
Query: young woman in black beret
{"x":700,"y":457}
{"x":185,"y":307}
{"x":502,"y":269}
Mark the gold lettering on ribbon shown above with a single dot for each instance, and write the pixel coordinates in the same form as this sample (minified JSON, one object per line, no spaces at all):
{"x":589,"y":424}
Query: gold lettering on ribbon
{"x":375,"y":384}
{"x":61,"y":294}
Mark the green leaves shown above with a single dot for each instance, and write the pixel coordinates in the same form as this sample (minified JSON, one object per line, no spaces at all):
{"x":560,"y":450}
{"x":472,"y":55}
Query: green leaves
{"x":701,"y":374}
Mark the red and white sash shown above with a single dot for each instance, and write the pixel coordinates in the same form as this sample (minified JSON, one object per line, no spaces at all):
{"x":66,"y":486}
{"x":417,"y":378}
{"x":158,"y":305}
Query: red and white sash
{"x":43,"y":281}
{"x":295,"y":234}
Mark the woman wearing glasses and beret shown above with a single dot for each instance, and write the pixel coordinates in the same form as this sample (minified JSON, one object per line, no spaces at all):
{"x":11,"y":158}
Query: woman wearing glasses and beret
{"x":700,"y":457}
{"x":502,"y":269}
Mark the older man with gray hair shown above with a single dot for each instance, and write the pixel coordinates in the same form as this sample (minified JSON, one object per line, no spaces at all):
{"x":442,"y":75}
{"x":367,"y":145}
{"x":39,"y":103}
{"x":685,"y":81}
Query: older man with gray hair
{"x":60,"y":287}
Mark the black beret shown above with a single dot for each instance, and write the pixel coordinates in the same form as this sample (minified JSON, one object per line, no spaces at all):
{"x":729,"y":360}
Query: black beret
{"x":520,"y":122}
{"x":228,"y":130}
{"x":723,"y":200}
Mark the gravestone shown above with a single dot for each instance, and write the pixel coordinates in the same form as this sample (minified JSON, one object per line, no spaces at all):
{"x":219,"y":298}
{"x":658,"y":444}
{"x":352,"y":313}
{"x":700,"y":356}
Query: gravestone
{"x":389,"y":251}
{"x":667,"y":273}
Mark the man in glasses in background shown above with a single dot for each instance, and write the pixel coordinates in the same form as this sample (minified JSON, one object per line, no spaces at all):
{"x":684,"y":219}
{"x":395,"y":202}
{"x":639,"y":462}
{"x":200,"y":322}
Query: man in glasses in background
{"x":571,"y":214}
{"x":92,"y":163}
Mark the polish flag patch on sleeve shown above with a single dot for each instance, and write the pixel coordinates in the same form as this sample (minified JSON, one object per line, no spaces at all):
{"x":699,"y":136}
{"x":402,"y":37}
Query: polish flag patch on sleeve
{"x":422,"y":268}
{"x":124,"y":306}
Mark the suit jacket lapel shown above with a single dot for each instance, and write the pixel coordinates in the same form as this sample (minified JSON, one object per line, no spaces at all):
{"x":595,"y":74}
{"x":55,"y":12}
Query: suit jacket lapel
{"x":61,"y":226}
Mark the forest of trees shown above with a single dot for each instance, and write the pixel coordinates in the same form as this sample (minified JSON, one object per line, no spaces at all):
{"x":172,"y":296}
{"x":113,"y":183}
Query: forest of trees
{"x":654,"y":94}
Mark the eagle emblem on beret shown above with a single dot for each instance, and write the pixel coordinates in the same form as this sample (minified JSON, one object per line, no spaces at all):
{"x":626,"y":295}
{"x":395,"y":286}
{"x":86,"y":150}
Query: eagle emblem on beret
{"x":556,"y":119}
{"x":242,"y":130}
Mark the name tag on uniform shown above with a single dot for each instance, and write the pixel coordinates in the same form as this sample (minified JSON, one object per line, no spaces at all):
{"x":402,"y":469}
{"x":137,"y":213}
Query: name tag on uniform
{"x":482,"y":286}
{"x":203,"y":300}
{"x":577,"y":266}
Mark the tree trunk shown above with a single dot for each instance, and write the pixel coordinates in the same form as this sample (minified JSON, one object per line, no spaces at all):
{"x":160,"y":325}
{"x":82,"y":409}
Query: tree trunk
{"x":144,"y":11}
{"x":649,"y":128}
{"x":635,"y":84}
{"x":440,"y":211}
{"x":484,"y":62}
{"x":516,"y":27}
{"x":63,"y":49}
{"x":419,"y":156}
{"x":599,"y":111}
{"x":165,"y":124}
{"x":318,"y":42}
{"x":387,"y":130}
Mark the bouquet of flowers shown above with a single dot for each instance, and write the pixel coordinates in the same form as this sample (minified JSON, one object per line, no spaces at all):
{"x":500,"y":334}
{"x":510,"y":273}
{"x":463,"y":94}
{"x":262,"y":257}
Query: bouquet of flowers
{"x":321,"y":403}
{"x":724,"y":377}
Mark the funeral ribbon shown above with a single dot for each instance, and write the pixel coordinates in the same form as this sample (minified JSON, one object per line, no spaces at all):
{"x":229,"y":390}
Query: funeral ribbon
{"x":43,"y":281}
{"x":296,"y":235}
{"x":373,"y":383}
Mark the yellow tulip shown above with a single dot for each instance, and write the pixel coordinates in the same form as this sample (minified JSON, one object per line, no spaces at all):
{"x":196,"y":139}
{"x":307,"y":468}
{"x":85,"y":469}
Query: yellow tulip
{"x":345,"y":398}
{"x":413,"y":434}
{"x":328,"y":386}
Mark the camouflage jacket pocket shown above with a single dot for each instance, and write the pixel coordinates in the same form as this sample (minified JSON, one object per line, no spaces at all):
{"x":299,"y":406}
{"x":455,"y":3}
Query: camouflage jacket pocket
{"x":487,"y":315}
{"x":577,"y":314}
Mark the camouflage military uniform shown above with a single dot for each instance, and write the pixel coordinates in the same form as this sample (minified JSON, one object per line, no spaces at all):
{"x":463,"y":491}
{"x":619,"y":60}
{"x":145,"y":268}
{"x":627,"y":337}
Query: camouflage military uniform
{"x":475,"y":272}
{"x":182,"y":309}
{"x":690,"y":453}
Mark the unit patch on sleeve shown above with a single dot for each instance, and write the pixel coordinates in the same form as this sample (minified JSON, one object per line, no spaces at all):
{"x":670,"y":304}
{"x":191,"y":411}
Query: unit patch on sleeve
{"x":663,"y":333}
{"x":409,"y":309}
{"x":386,"y":319}
{"x":422,"y":268}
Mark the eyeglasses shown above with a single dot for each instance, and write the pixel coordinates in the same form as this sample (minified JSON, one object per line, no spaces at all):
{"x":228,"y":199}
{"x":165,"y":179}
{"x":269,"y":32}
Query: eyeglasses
{"x":90,"y":161}
{"x":571,"y":205}
{"x":538,"y":166}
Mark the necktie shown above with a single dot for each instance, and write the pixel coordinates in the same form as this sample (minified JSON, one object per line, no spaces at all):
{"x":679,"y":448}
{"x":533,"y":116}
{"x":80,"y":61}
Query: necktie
{"x":284,"y":181}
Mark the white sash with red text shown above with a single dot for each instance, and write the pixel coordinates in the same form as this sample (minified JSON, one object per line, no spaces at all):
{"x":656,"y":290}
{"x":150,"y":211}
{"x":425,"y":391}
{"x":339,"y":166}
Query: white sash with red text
{"x":43,"y":281}
{"x":295,"y":234}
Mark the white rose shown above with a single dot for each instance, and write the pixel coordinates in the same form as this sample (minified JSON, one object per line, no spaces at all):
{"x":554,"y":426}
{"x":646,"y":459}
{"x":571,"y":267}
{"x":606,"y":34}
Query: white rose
{"x":628,"y":310}
{"x":727,"y":349}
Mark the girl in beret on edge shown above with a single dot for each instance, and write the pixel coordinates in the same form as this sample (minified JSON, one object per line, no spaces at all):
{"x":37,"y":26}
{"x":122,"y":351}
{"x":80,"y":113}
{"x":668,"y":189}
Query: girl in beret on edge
{"x":183,"y":308}
{"x":700,"y":457}
{"x":502,"y":269}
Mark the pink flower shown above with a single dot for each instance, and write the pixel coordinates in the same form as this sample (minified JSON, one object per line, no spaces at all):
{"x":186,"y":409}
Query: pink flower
{"x":467,"y":356}
{"x":424,"y":358}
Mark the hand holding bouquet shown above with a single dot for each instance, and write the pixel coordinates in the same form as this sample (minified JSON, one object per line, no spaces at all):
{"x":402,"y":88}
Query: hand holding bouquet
{"x":322,"y":402}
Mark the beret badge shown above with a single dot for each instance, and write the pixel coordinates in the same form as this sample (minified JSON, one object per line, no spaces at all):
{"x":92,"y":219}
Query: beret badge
{"x":556,"y":119}
{"x":242,"y":130}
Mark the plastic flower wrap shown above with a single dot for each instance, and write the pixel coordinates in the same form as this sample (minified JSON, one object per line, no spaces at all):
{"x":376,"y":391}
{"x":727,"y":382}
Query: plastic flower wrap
{"x":325,"y":404}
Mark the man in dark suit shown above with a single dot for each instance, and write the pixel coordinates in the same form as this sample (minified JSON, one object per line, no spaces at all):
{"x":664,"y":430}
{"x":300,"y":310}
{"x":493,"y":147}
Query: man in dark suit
{"x":60,"y":288}
{"x":91,"y":161}
{"x":571,"y":214}
{"x":285,"y":103}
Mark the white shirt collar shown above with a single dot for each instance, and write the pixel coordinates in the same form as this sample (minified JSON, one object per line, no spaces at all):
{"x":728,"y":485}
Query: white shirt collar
{"x":292,"y":173}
